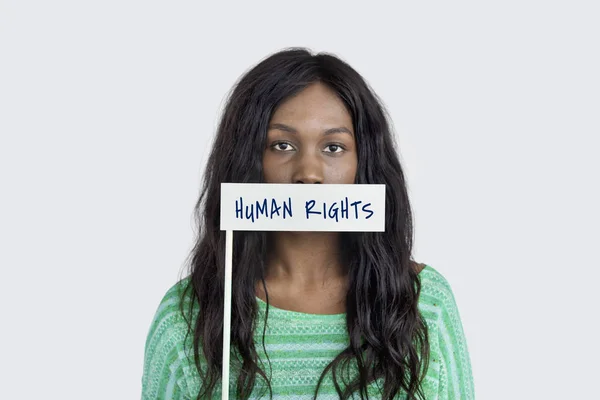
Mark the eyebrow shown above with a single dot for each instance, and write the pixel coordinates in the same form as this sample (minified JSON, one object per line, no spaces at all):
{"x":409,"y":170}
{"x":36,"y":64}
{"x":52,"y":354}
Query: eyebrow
{"x":287,"y":128}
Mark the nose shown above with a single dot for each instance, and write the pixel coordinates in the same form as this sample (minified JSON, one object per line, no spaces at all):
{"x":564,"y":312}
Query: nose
{"x":308,"y":169}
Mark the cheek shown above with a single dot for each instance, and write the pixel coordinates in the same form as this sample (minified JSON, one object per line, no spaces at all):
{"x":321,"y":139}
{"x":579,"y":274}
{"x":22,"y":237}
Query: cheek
{"x":272,"y":171}
{"x":343,"y":171}
{"x":352,"y":171}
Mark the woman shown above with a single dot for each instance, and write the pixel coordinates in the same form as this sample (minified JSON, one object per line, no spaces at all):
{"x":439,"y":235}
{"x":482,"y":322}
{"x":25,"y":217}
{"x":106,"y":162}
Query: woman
{"x":349,"y":315}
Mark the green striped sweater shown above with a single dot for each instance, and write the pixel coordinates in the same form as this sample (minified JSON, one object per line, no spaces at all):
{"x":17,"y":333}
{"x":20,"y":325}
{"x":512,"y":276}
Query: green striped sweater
{"x":300,"y":345}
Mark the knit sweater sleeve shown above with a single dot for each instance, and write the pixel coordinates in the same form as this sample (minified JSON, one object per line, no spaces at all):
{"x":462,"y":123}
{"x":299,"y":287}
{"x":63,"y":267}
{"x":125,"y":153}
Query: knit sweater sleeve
{"x":164,"y":359}
{"x":456,"y":379}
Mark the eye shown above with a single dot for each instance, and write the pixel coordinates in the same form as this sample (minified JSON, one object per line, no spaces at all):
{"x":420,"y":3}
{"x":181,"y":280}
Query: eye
{"x":282,"y":146}
{"x":334,"y":148}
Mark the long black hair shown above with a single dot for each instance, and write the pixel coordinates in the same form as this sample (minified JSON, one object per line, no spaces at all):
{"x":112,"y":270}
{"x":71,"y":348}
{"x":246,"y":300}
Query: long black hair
{"x":388,"y":336}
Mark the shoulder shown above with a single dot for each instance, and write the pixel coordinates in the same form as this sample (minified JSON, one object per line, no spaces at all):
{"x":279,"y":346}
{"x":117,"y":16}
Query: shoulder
{"x":437,"y":296}
{"x":438,"y":305}
{"x":164,"y":357}
{"x":168,"y":312}
{"x":434,"y":283}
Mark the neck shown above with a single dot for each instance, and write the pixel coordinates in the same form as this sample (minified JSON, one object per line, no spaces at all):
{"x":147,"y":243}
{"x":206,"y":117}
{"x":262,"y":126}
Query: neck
{"x":305,"y":259}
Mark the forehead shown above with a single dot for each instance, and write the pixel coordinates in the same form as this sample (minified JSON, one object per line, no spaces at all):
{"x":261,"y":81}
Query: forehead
{"x":316,"y":103}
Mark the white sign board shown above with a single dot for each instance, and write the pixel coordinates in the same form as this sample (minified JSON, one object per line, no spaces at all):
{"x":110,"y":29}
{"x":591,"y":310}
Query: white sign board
{"x":302,"y":207}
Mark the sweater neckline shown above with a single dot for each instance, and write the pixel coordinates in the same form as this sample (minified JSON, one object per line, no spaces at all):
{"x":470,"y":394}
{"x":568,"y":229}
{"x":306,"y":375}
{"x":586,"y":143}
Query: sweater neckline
{"x":298,"y":314}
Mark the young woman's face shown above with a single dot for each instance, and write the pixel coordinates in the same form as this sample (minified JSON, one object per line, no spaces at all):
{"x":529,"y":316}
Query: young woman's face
{"x":311,"y":140}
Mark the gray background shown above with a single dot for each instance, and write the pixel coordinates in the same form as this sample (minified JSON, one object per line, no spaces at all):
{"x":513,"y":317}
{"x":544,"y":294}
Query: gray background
{"x":107,"y":110}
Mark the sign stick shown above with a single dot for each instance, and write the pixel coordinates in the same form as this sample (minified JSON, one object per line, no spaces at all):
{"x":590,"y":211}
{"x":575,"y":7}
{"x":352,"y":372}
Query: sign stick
{"x":227,"y":313}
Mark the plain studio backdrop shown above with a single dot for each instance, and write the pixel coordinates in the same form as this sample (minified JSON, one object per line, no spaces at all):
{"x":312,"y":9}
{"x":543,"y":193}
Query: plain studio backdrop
{"x":108,"y":109}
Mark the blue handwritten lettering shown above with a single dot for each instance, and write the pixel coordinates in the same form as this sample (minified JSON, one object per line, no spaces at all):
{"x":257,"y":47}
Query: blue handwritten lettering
{"x":344,"y":210}
{"x":251,"y":214}
{"x":366,"y":209}
{"x":333,"y":211}
{"x":261,"y":208}
{"x":308,"y":207}
{"x":355,"y":205}
{"x":287,"y":207}
{"x":239,"y":209}
{"x":274,"y":208}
